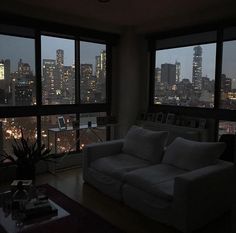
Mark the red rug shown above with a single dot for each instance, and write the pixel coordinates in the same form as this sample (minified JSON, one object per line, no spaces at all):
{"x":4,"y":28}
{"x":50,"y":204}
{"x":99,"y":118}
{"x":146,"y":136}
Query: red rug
{"x":80,"y":220}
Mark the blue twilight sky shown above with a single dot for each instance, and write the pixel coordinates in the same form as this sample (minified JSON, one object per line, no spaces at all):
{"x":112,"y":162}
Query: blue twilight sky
{"x":14,"y":48}
{"x":184,"y":55}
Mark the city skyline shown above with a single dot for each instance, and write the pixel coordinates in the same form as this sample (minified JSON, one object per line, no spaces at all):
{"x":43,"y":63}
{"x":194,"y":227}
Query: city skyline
{"x":15,"y":48}
{"x":184,"y":55}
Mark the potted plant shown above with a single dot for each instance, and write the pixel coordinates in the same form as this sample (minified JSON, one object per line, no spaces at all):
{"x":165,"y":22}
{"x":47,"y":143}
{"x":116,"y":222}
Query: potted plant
{"x":26,"y":155}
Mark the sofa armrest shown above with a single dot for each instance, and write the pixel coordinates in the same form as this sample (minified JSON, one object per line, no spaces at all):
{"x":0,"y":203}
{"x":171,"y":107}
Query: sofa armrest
{"x":202,"y":195}
{"x":98,"y":150}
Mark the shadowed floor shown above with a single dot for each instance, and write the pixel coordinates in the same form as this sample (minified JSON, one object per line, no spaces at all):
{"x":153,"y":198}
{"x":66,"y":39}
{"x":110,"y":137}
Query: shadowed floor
{"x":71,"y":183}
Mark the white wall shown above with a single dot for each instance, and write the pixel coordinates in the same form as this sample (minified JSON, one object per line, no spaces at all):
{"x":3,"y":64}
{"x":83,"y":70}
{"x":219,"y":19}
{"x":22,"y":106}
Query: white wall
{"x":130,"y":79}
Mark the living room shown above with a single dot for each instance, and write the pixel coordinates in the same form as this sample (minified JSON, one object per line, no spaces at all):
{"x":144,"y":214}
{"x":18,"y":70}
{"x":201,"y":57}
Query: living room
{"x":133,"y":44}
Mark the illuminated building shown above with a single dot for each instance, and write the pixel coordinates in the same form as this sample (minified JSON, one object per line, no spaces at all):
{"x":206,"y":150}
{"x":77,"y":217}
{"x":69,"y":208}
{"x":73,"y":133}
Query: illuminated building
{"x":178,"y":71}
{"x":197,"y":68}
{"x":60,"y":57}
{"x":2,"y":70}
{"x":48,"y":80}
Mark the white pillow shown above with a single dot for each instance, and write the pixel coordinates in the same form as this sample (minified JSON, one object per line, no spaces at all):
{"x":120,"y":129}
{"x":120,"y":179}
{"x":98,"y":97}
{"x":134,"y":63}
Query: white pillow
{"x":145,"y":144}
{"x":190,"y":155}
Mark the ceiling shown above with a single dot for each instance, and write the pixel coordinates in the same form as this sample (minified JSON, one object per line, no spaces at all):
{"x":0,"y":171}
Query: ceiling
{"x":144,"y":16}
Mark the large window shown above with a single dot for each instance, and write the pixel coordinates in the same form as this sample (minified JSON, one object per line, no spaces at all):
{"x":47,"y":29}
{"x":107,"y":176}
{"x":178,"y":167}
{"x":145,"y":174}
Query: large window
{"x":17,"y":71}
{"x":45,"y":75}
{"x":197,"y":70}
{"x":185,"y":76}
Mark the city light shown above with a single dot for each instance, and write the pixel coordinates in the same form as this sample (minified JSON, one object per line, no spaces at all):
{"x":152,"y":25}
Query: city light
{"x":18,"y":87}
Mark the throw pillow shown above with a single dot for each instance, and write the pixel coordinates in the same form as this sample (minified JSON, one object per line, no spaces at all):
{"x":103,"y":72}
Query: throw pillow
{"x":190,"y":155}
{"x":145,"y":144}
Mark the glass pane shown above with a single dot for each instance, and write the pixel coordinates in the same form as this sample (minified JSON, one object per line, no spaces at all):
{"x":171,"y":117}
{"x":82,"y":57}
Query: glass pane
{"x":58,"y":70}
{"x":17,"y":71}
{"x":228,"y":77}
{"x":186,"y":76}
{"x":58,"y":140}
{"x":11,"y":128}
{"x":227,"y":127}
{"x":93,"y":134}
{"x":92,"y":72}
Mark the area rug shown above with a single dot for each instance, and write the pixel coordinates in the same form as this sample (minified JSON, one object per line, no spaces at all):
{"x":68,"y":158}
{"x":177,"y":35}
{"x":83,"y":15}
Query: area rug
{"x":80,"y":220}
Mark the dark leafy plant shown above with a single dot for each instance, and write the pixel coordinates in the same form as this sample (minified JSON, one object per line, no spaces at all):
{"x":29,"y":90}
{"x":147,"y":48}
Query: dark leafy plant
{"x":26,"y":153}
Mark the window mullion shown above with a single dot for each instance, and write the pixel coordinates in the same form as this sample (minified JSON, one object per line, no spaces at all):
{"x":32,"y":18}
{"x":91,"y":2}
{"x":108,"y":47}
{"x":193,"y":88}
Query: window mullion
{"x":218,"y":69}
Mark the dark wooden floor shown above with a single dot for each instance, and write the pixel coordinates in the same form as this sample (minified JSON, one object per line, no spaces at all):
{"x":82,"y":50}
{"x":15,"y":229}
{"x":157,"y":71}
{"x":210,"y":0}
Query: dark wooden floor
{"x":71,"y":183}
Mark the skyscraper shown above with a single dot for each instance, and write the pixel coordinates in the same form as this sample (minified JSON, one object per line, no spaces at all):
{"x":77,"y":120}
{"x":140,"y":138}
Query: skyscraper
{"x":86,"y":74}
{"x":226,"y":84}
{"x":197,"y":68}
{"x":157,"y":75}
{"x":49,"y":80}
{"x":101,"y":76}
{"x":2,"y":75}
{"x":60,"y":57}
{"x":23,"y":85}
{"x":178,"y":70}
{"x":168,"y":73}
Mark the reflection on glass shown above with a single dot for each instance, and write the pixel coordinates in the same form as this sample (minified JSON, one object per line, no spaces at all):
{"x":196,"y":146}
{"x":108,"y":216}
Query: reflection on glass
{"x":58,"y":140}
{"x":91,"y":135}
{"x":11,"y":128}
{"x":17,"y":71}
{"x":92,"y":72}
{"x":58,"y":71}
{"x":227,"y":127}
{"x":228,"y":77}
{"x":185,"y":76}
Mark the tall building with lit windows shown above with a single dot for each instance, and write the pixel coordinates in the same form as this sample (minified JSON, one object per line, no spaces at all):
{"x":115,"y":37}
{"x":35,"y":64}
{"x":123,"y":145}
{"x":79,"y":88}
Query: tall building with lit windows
{"x":2,"y":76}
{"x":23,"y":85}
{"x":60,"y":57}
{"x":100,"y":74}
{"x":49,"y":83}
{"x":178,"y":71}
{"x":86,"y":77}
{"x":197,"y":68}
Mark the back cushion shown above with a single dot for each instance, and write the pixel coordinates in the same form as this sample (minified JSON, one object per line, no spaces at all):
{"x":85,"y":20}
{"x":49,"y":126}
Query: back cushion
{"x":145,"y":144}
{"x":190,"y":155}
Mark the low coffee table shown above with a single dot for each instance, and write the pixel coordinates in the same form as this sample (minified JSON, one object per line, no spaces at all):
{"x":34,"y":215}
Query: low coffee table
{"x":10,"y":226}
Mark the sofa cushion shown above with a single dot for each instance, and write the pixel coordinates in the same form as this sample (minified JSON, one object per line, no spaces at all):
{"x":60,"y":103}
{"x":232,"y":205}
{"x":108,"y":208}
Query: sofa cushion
{"x":145,"y":144}
{"x":118,"y":165}
{"x":190,"y":155}
{"x":157,"y":179}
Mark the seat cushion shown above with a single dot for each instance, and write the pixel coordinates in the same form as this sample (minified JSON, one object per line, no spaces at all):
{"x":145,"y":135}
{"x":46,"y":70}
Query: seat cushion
{"x":157,"y":179}
{"x":191,"y":155}
{"x":145,"y":144}
{"x":118,"y":165}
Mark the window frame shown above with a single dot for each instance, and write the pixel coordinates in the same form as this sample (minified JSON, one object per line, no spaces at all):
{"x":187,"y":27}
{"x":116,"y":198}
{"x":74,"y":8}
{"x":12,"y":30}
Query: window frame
{"x":217,"y":113}
{"x":41,"y":28}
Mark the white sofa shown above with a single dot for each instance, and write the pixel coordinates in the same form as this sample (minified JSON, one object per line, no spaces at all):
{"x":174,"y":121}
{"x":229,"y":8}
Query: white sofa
{"x":186,"y":186}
